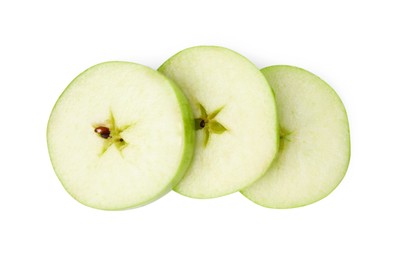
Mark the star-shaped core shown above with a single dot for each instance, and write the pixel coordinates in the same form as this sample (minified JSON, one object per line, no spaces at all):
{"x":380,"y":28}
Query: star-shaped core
{"x":209,"y":124}
{"x":111,"y":134}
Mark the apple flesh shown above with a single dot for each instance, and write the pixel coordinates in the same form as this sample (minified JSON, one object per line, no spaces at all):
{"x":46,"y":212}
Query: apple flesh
{"x":120,"y":136}
{"x":235,"y":117}
{"x":314,"y":141}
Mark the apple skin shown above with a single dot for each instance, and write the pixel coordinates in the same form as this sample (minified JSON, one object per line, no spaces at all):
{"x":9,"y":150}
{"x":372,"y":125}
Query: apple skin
{"x":189,"y":140}
{"x":255,"y":191}
{"x":189,"y":126}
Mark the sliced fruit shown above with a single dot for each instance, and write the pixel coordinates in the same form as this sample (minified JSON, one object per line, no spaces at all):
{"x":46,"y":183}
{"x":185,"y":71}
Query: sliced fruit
{"x":235,"y":118}
{"x":120,"y":136}
{"x":314,"y":141}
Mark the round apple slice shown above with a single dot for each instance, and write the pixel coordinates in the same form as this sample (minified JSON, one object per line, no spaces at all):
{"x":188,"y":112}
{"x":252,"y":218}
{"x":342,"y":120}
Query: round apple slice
{"x":235,"y":119}
{"x":314,"y":141}
{"x":120,"y":136}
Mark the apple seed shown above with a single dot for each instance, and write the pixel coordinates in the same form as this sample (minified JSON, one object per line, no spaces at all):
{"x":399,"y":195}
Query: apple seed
{"x":103,"y":131}
{"x":202,"y":123}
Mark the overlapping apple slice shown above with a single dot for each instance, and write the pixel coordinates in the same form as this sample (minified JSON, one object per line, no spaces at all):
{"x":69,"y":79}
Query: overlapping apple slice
{"x":235,"y":118}
{"x":120,"y":136}
{"x":314,"y":141}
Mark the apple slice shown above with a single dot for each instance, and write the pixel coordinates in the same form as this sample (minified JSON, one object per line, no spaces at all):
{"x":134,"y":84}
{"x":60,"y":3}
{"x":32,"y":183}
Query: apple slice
{"x":314,"y":141}
{"x":120,"y":136}
{"x":235,"y":118}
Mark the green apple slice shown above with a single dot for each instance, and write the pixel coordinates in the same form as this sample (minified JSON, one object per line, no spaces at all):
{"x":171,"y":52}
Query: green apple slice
{"x":314,"y":141}
{"x":235,"y":117}
{"x":120,"y":136}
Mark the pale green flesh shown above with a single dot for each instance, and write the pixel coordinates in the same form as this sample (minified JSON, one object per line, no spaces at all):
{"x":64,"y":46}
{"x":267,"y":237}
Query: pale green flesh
{"x":239,"y":140}
{"x":315,"y":142}
{"x":144,"y":109}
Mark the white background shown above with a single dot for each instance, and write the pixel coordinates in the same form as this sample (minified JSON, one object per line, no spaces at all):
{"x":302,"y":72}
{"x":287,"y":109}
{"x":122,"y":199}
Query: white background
{"x":353,"y":45}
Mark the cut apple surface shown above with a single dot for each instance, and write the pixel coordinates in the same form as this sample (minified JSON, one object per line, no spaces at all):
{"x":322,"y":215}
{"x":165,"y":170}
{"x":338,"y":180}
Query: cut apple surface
{"x":120,"y":136}
{"x":235,"y":119}
{"x":314,"y":141}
